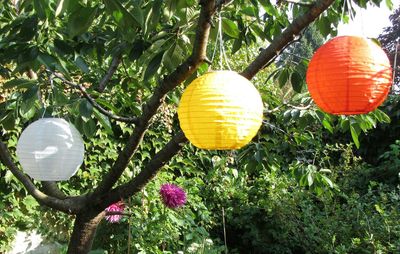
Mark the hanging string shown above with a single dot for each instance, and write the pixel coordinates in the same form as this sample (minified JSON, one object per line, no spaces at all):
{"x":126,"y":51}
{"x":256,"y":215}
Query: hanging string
{"x":219,"y":43}
{"x":395,"y":63}
{"x":343,"y":10}
{"x":351,"y":13}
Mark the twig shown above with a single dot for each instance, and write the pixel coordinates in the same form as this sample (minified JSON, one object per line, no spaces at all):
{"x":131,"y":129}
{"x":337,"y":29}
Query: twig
{"x":297,"y":2}
{"x":111,"y":70}
{"x":68,"y":205}
{"x":149,"y":109}
{"x":155,"y":164}
{"x":93,"y":102}
{"x":280,"y":42}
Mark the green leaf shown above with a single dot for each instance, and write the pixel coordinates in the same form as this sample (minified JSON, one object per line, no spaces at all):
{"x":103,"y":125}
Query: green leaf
{"x":310,"y":179}
{"x":376,"y":41}
{"x":283,"y":77}
{"x":354,"y":135}
{"x":327,"y":125}
{"x":324,"y":26}
{"x":327,"y":181}
{"x":389,"y":4}
{"x":40,"y":8}
{"x":62,"y":6}
{"x":47,"y":60}
{"x":85,"y":108}
{"x":237,"y":44}
{"x":19,"y":84}
{"x":381,"y":116}
{"x":153,"y":66}
{"x":153,"y":16}
{"x":125,"y":20}
{"x":250,"y":11}
{"x":80,"y":20}
{"x":269,"y":8}
{"x":9,"y":121}
{"x":30,"y":202}
{"x":104,"y":121}
{"x":89,"y":128}
{"x":297,"y":82}
{"x":230,"y":28}
{"x":82,"y":64}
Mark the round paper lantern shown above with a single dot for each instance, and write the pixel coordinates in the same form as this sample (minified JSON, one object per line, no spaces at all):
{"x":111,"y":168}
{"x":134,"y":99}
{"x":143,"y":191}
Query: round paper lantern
{"x":50,"y":149}
{"x":349,"y":75}
{"x":220,"y":110}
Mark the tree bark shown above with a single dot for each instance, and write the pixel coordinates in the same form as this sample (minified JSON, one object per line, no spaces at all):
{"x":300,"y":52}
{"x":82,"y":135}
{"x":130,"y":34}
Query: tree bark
{"x":85,"y":227}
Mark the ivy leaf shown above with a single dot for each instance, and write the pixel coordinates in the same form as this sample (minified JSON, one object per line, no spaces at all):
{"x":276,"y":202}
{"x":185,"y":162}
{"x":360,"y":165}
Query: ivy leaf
{"x":230,"y":28}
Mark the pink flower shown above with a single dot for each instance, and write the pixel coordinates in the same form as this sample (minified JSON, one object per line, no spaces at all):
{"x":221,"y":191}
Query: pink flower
{"x":117,"y":207}
{"x":172,"y":196}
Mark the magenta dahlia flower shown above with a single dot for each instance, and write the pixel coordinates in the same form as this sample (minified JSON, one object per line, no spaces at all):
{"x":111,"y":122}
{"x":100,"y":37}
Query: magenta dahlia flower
{"x":172,"y":196}
{"x":117,"y":207}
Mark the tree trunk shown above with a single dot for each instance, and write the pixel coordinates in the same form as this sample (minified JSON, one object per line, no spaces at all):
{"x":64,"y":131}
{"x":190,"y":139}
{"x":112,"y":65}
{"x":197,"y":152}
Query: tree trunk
{"x":84,"y":231}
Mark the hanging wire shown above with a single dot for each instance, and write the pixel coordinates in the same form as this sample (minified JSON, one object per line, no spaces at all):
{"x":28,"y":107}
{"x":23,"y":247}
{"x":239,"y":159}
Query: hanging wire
{"x":395,"y":60}
{"x":395,"y":65}
{"x":344,"y":8}
{"x":219,"y":43}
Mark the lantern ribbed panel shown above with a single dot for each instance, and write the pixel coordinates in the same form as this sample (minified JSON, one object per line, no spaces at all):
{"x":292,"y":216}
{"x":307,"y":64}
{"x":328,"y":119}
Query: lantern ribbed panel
{"x":349,"y":75}
{"x":220,"y":110}
{"x":50,"y":149}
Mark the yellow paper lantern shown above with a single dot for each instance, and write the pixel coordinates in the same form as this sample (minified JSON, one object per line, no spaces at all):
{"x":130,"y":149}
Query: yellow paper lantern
{"x":220,"y":110}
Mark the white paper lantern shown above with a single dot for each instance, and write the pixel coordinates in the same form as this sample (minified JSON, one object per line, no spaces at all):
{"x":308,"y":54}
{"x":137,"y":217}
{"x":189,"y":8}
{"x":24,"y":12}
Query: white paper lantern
{"x":50,"y":149}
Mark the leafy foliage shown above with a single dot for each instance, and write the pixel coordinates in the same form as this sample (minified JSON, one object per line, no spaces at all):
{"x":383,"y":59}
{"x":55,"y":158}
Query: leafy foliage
{"x":299,"y":187}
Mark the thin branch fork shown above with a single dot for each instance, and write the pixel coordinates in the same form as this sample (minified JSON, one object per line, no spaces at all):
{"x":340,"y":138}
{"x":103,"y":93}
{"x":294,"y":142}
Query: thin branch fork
{"x":288,"y":35}
{"x":68,"y":205}
{"x":171,"y":81}
{"x":111,"y":70}
{"x":296,"y":2}
{"x":93,"y":101}
{"x":149,"y":172}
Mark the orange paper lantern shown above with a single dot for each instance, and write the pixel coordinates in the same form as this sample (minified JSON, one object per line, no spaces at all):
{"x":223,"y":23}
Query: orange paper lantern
{"x":349,"y":75}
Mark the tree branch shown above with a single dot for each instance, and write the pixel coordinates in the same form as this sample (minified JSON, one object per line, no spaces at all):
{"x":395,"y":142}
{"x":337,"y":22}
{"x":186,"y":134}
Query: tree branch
{"x":287,"y":36}
{"x":51,"y":189}
{"x":68,"y":205}
{"x":111,"y":70}
{"x":93,"y":102}
{"x":296,"y":2}
{"x":181,"y":73}
{"x":156,"y":163}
